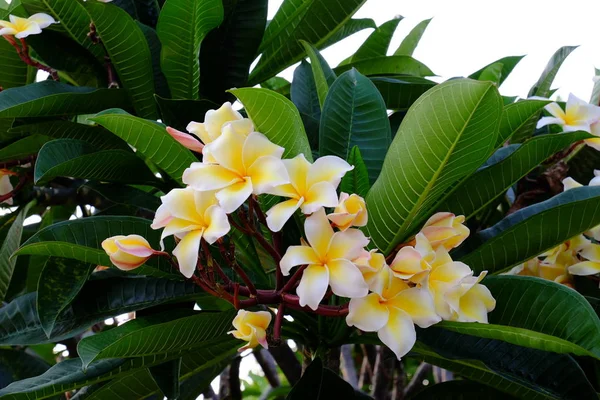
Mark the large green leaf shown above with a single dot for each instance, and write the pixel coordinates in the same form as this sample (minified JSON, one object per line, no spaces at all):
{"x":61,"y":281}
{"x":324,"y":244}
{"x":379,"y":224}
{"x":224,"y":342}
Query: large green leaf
{"x":59,"y":283}
{"x":81,"y":240}
{"x":534,"y":229}
{"x":410,"y":42}
{"x":277,"y":118}
{"x":314,"y":21}
{"x":322,"y":73}
{"x":11,"y":243}
{"x":150,"y":139}
{"x":17,"y":364}
{"x":392,"y":65}
{"x":486,"y":185}
{"x":519,"y":120}
{"x":349,"y":28}
{"x":321,"y":383}
{"x":543,"y":85}
{"x":446,"y":135}
{"x":228,"y":51}
{"x":303,"y":93}
{"x":98,"y":300}
{"x":508,"y":64}
{"x":14,"y":70}
{"x":376,"y":45}
{"x":23,"y":147}
{"x":54,"y":99}
{"x":78,"y":159}
{"x":148,"y":336}
{"x":129,"y":54}
{"x":400,"y":93}
{"x":123,"y":195}
{"x":182,"y":25}
{"x":161,"y":87}
{"x":460,"y":390}
{"x":354,"y":114}
{"x":166,"y":377}
{"x":357,"y":180}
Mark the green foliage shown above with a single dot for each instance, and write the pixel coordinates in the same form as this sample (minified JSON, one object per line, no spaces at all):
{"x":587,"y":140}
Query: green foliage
{"x":410,"y":42}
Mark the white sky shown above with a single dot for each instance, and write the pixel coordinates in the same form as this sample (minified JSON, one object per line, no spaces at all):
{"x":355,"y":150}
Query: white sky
{"x":465,"y":35}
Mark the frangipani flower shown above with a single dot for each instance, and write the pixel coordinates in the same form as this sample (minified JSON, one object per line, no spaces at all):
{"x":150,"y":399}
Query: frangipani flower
{"x":215,"y":120}
{"x":350,"y":211}
{"x":445,"y":229}
{"x":311,"y":187}
{"x":251,"y":327}
{"x":186,"y":140}
{"x":374,"y":269}
{"x":570,"y":183}
{"x":470,"y":301}
{"x":578,"y":115}
{"x":190,"y":216}
{"x":5,"y":185}
{"x":238,"y":168}
{"x":23,"y":27}
{"x":591,"y":265}
{"x":393,"y":313}
{"x":128,"y":252}
{"x":328,"y":256}
{"x":411,"y":262}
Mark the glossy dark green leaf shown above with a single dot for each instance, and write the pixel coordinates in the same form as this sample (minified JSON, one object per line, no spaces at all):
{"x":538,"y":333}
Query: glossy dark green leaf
{"x":518,"y":120}
{"x":17,"y":364}
{"x":14,"y":70}
{"x":147,"y":11}
{"x":410,"y":42}
{"x":357,"y":180}
{"x":23,"y":147}
{"x":161,"y":87}
{"x":349,"y":28}
{"x":400,"y":93}
{"x":461,"y":390}
{"x":166,"y":377}
{"x":130,"y":55}
{"x":59,"y":283}
{"x":182,"y":26}
{"x":534,"y":229}
{"x":392,"y":65}
{"x":376,"y":45}
{"x":354,"y":114}
{"x":78,"y":159}
{"x":322,"y":73}
{"x":508,"y":64}
{"x":9,"y":244}
{"x":179,"y":113}
{"x":303,"y":93}
{"x":120,"y":195}
{"x":543,"y":85}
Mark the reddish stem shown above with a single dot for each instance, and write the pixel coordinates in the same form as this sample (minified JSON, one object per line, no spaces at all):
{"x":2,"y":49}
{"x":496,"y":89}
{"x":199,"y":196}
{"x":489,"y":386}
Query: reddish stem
{"x":23,"y":53}
{"x":278,"y":323}
{"x":12,"y":193}
{"x":295,"y":278}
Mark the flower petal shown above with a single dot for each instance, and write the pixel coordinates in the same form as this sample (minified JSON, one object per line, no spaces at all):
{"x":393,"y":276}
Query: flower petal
{"x":549,"y":121}
{"x":32,"y":29}
{"x":407,"y":263}
{"x":209,"y":176}
{"x":367,"y":313}
{"x":257,"y":145}
{"x":585,"y":268}
{"x":217,"y":224}
{"x":297,"y":169}
{"x":417,"y":303}
{"x":136,"y":245}
{"x":346,"y":280}
{"x":321,"y":194}
{"x":181,"y":203}
{"x":476,"y":304}
{"x":327,"y":169}
{"x":399,"y":333}
{"x":348,"y":244}
{"x":297,"y":255}
{"x":227,"y":151}
{"x":186,"y":140}
{"x":267,"y":172}
{"x":313,"y":286}
{"x":318,"y":232}
{"x":43,"y":20}
{"x":232,"y":197}
{"x":280,"y":213}
{"x":5,"y":188}
{"x":187,"y":252}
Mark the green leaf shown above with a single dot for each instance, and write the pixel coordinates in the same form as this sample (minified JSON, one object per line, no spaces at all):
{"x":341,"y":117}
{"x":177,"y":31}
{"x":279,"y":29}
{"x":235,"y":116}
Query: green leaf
{"x":460,"y":390}
{"x":376,"y":45}
{"x":54,"y":99}
{"x":518,"y":120}
{"x":483,"y":187}
{"x":14,"y":70}
{"x":446,"y":135}
{"x":161,"y":87}
{"x":357,"y":180}
{"x":492,"y":73}
{"x":508,"y":64}
{"x":277,"y":84}
{"x":349,"y":28}
{"x":410,"y":42}
{"x":130,"y":54}
{"x":182,"y":25}
{"x":595,"y":97}
{"x":526,"y":232}
{"x":119,"y":194}
{"x":11,"y":243}
{"x":17,"y":364}
{"x":150,"y":139}
{"x":177,"y":113}
{"x":277,"y":118}
{"x":59,"y":283}
{"x":228,"y":51}
{"x":147,"y":11}
{"x":303,"y":93}
{"x":354,"y":114}
{"x":78,"y":159}
{"x":148,"y":336}
{"x":542,"y":86}
{"x":323,"y":75}
{"x":60,"y":240}
{"x":392,"y":65}
{"x":166,"y":377}
{"x":23,"y":147}
{"x":313,"y":21}
{"x":400,"y":93}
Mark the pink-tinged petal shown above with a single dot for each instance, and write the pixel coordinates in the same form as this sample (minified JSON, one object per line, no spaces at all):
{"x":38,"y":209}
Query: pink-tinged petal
{"x":205,"y":177}
{"x":313,"y":286}
{"x":185,"y":140}
{"x":232,"y":197}
{"x":367,"y":313}
{"x":348,"y":244}
{"x":267,"y":172}
{"x":257,"y":145}
{"x":135,"y":245}
{"x":187,"y":252}
{"x":417,"y":303}
{"x":321,"y":194}
{"x":399,"y":333}
{"x":297,"y":169}
{"x":227,"y":151}
{"x":407,"y":263}
{"x":342,"y":220}
{"x":280,"y":213}
{"x":43,"y":20}
{"x":297,"y":255}
{"x":346,"y":280}
{"x":549,"y":121}
{"x":585,"y":268}
{"x":327,"y":169}
{"x":318,"y":232}
{"x":217,"y":224}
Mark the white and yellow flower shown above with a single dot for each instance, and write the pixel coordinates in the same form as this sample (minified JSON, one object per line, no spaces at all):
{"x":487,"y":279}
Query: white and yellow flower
{"x":374,"y":269}
{"x":469,"y":301}
{"x":412,"y":262}
{"x":128,"y":252}
{"x":393,"y":314}
{"x":191,"y":216}
{"x":328,"y":256}
{"x":238,"y":167}
{"x":23,"y":27}
{"x":591,"y":264}
{"x":251,"y":327}
{"x":311,"y":187}
{"x":445,"y":229}
{"x":5,"y":186}
{"x":350,"y":211}
{"x":214,"y":122}
{"x":577,"y":116}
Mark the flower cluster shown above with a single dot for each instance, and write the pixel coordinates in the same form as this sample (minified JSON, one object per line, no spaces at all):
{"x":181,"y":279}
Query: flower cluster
{"x":22,"y":27}
{"x":422,"y":285}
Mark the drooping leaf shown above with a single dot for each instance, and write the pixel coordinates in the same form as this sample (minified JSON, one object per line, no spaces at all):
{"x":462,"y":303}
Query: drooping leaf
{"x":177,"y":113}
{"x":543,"y":85}
{"x":446,"y":135}
{"x":508,"y":64}
{"x":376,"y":45}
{"x":391,"y":65}
{"x":354,"y":114}
{"x":400,"y":93}
{"x":518,"y":120}
{"x":59,"y":283}
{"x":150,"y":139}
{"x":410,"y":42}
{"x":486,"y":185}
{"x":17,"y":364}
{"x":182,"y":25}
{"x":322,"y":73}
{"x":349,"y":28}
{"x":11,"y":243}
{"x":526,"y":232}
{"x":129,"y":54}
{"x":357,"y":180}
{"x":277,"y":118}
{"x":23,"y":147}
